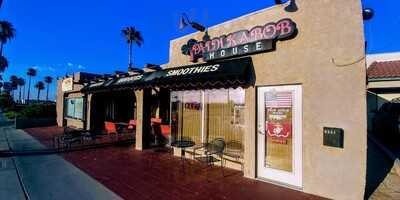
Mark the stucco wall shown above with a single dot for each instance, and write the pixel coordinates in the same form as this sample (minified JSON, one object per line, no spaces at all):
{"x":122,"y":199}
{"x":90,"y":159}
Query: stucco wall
{"x":332,"y":96}
{"x":61,"y":121}
{"x":74,"y":123}
{"x":59,"y":104}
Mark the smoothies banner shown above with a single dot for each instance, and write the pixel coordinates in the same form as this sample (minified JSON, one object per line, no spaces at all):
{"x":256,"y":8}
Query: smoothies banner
{"x":278,"y":116}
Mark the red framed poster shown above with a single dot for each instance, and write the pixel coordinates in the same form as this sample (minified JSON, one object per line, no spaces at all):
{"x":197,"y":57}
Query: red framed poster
{"x":278,"y":116}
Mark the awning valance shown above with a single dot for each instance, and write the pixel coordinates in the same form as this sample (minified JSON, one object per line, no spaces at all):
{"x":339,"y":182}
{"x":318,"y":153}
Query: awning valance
{"x":223,"y":74}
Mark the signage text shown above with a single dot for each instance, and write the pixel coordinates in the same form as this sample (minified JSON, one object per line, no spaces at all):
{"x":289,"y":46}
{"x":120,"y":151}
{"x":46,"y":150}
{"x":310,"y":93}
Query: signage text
{"x":257,"y":39}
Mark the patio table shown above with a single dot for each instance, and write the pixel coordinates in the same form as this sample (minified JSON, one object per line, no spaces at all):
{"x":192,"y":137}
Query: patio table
{"x":183,"y":144}
{"x":121,"y":126}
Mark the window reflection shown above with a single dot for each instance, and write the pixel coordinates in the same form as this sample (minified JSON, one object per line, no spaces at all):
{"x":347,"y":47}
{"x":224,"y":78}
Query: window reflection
{"x":222,"y":117}
{"x":74,"y":108}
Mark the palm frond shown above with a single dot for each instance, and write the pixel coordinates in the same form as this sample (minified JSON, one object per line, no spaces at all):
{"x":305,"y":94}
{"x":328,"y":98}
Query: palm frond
{"x":13,"y":79}
{"x":48,"y":79}
{"x":31,"y":72}
{"x":21,"y":81}
{"x":132,"y":35}
{"x":7,"y":31}
{"x":39,"y":85}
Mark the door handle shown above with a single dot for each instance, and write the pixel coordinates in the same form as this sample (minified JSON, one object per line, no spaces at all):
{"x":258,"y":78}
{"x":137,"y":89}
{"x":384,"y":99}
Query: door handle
{"x":260,"y":131}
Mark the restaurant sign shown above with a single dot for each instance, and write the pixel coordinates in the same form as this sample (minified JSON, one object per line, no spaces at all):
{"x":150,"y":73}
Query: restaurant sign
{"x":193,"y":70}
{"x":67,"y":84}
{"x":258,"y":39}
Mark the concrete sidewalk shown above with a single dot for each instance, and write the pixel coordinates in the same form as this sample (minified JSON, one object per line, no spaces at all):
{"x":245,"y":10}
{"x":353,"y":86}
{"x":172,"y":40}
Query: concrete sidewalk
{"x":10,"y":187}
{"x":45,"y":176}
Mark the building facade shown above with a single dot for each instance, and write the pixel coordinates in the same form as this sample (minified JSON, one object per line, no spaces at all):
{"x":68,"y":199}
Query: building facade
{"x":288,"y":88}
{"x":383,"y":86}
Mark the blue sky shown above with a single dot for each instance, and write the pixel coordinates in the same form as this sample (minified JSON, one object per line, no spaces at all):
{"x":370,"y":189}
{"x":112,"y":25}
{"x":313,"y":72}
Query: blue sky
{"x":56,"y":36}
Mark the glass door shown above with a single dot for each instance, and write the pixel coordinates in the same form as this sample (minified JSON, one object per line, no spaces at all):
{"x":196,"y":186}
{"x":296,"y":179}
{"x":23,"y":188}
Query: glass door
{"x":279,"y":137}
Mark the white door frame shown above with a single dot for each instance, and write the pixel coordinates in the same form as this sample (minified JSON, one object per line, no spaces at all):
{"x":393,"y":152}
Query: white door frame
{"x":293,"y":178}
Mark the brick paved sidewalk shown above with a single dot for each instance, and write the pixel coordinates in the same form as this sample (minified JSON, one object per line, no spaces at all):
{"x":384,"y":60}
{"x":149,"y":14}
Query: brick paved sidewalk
{"x":147,"y":175}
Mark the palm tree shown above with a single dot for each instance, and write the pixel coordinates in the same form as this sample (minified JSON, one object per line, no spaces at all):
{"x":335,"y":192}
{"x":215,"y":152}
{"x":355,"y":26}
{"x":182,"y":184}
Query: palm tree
{"x":31,"y":72}
{"x":14,"y":84}
{"x":7,"y":87}
{"x":7,"y":32}
{"x":39,"y":86}
{"x":3,"y":63}
{"x":48,"y":80}
{"x":21,"y":83}
{"x":132,"y":36}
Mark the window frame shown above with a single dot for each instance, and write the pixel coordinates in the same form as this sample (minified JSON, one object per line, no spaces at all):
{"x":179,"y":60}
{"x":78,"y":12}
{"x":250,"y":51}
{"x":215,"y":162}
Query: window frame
{"x":203,"y":111}
{"x":66,"y":114}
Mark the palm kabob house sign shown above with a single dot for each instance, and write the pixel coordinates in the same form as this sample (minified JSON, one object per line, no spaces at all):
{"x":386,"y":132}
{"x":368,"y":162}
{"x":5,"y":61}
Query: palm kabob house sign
{"x":228,"y":73}
{"x":256,"y":40}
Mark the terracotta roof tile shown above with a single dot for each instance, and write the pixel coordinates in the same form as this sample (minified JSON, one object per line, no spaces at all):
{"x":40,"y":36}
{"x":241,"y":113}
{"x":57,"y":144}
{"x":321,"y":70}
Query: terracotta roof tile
{"x":386,"y":69}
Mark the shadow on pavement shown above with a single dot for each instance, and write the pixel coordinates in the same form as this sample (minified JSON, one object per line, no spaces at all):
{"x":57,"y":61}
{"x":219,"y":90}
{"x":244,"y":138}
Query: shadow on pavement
{"x":378,"y":167}
{"x":4,"y":122}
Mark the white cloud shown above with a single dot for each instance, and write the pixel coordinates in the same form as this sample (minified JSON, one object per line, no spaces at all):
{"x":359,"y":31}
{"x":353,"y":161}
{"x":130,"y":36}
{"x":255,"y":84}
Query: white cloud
{"x":81,"y":67}
{"x":51,"y":69}
{"x":36,"y":67}
{"x":70,"y":64}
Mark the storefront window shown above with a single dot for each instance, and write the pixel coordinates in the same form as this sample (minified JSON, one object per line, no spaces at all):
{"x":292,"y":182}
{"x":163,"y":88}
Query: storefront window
{"x":186,"y":115}
{"x":74,"y":108}
{"x":204,"y":115}
{"x":224,"y":114}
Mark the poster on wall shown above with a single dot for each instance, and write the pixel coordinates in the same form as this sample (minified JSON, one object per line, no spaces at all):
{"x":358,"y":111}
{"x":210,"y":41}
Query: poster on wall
{"x":278,"y":116}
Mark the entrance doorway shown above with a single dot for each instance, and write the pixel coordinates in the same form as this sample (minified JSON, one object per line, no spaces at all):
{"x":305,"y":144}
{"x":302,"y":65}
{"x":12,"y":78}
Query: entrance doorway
{"x":113,"y":107}
{"x":279,"y":134}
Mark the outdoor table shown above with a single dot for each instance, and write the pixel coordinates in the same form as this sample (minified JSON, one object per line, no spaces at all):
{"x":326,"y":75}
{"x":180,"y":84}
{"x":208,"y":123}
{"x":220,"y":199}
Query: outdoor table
{"x":120,"y":126}
{"x":183,"y":144}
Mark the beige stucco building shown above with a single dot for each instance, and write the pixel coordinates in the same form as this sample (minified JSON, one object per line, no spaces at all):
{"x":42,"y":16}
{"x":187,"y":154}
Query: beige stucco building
{"x":302,"y":87}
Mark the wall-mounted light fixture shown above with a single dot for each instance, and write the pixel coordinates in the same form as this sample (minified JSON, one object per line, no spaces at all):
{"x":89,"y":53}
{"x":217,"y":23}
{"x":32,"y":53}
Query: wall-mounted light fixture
{"x":291,"y":7}
{"x":184,"y":21}
{"x":368,"y":13}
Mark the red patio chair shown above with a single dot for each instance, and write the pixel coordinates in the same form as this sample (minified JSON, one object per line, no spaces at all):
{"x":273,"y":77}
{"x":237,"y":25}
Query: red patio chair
{"x":111,"y":128}
{"x":165,"y":130}
{"x":132,"y":124}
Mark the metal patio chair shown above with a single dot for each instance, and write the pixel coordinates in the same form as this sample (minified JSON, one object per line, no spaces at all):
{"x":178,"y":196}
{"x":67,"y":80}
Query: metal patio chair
{"x":70,"y":136}
{"x":213,"y":152}
{"x":234,"y":149}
